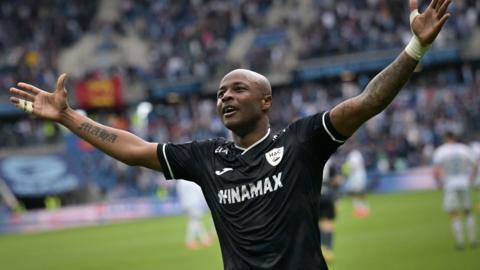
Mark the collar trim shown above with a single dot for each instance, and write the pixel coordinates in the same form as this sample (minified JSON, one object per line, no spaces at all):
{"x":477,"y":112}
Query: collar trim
{"x":253,"y":145}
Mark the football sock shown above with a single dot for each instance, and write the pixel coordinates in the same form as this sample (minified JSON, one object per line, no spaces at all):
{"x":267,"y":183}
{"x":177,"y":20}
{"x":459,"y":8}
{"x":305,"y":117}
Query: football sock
{"x":471,"y":228}
{"x":328,"y":240}
{"x":194,"y":227}
{"x":457,"y":231}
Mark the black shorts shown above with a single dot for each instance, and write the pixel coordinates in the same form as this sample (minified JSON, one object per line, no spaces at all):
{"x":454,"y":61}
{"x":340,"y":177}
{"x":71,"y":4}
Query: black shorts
{"x":326,"y":208}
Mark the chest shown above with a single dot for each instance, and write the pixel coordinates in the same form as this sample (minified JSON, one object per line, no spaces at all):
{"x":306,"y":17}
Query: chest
{"x":239,"y":179}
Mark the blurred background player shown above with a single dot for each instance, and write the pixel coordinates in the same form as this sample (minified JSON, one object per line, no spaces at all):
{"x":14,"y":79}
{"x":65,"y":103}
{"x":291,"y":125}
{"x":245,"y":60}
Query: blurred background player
{"x":454,"y":169}
{"x":476,"y":183}
{"x":327,"y":208}
{"x":356,"y":184}
{"x":194,"y":205}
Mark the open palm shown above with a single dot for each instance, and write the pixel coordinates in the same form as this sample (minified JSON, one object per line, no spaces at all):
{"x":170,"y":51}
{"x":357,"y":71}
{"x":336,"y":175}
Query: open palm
{"x":428,"y":24}
{"x":45,"y":104}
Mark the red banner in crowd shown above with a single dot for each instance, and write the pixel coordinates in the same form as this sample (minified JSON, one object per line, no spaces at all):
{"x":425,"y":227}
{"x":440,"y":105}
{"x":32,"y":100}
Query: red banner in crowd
{"x":99,"y":92}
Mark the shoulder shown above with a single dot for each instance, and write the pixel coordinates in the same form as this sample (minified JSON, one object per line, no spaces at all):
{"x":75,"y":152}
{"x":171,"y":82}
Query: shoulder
{"x":202,"y":143}
{"x":193,"y":148}
{"x":317,"y":124}
{"x":468,"y":151}
{"x":440,"y":151}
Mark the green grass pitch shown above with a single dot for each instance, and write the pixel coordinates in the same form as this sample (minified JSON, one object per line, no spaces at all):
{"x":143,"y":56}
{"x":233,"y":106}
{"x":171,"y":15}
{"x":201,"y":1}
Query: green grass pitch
{"x":404,"y":231}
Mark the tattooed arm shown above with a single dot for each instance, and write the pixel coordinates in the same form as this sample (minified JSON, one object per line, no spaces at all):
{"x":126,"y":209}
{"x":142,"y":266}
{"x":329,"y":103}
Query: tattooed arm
{"x":349,"y":115}
{"x":119,"y":144}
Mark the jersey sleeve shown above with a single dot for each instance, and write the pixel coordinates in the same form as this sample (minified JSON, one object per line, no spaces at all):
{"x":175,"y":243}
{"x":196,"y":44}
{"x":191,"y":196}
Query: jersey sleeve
{"x":184,"y":161}
{"x":317,"y":133}
{"x":471,"y":155}
{"x":436,"y":157}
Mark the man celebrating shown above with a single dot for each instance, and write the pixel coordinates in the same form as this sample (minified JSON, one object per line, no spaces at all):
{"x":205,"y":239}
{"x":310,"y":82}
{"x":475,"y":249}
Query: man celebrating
{"x":262,"y":187}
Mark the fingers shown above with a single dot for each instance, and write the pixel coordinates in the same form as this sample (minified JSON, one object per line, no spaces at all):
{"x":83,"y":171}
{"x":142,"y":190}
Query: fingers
{"x":23,"y":94}
{"x":442,"y":21}
{"x":14,"y":100}
{"x":413,"y":5}
{"x":22,"y":104}
{"x":25,"y":104}
{"x":443,"y":8}
{"x":434,"y":4}
{"x":61,"y":82}
{"x":29,"y":87}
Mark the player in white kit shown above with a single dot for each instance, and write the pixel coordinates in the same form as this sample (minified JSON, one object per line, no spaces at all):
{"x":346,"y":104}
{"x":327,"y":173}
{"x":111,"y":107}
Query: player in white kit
{"x":356,"y":184}
{"x":194,"y":204}
{"x":455,"y":169}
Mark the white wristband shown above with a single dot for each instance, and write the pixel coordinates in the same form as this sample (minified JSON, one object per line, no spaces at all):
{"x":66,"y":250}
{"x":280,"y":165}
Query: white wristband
{"x":414,"y":48}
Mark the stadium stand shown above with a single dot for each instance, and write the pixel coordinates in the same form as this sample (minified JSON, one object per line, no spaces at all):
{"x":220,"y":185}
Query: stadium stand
{"x":171,"y":53}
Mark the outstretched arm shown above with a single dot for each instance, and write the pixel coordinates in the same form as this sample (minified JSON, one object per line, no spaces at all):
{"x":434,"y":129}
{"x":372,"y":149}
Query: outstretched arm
{"x":119,"y":144}
{"x":349,"y":115}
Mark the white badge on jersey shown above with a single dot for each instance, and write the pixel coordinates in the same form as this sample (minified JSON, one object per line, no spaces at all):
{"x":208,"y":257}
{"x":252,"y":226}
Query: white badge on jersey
{"x":274,"y":156}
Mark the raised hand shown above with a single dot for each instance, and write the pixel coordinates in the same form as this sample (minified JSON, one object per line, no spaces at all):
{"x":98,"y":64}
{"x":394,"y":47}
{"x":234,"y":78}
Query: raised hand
{"x":428,"y":24}
{"x":45,"y":104}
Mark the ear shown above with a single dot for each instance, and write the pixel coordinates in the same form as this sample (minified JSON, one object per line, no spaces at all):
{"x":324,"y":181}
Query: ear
{"x":267,"y":102}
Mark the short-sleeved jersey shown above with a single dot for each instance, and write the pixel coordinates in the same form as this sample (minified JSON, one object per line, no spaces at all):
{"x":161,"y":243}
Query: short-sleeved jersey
{"x":457,"y":162}
{"x":356,"y":165}
{"x":263,"y":199}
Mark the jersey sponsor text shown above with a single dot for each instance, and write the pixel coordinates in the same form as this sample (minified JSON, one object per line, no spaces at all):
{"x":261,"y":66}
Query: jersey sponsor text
{"x":250,"y":191}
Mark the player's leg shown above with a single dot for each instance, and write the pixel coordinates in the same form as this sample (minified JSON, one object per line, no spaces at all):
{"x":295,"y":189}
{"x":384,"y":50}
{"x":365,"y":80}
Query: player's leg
{"x":327,"y":226}
{"x":452,"y":205}
{"x":192,"y":228}
{"x":466,"y":202}
{"x":457,"y":229}
{"x":361,"y":209}
{"x":471,"y":228}
{"x":357,"y":189}
{"x":476,"y":190}
{"x":199,"y":227}
{"x":326,"y":231}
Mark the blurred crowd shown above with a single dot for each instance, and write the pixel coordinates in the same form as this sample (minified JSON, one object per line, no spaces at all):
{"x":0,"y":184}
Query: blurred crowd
{"x":318,"y":28}
{"x":349,"y":26}
{"x":33,"y":34}
{"x":191,"y":38}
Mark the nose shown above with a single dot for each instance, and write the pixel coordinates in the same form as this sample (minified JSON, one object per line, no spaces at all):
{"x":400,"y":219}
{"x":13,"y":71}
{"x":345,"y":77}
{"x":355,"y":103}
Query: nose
{"x":227,"y":95}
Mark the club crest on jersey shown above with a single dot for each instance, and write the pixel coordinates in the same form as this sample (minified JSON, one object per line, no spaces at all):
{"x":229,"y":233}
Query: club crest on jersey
{"x":274,"y":156}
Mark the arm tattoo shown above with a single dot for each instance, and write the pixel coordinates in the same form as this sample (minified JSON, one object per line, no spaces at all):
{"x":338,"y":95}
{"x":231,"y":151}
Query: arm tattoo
{"x":98,"y":132}
{"x":386,"y":85}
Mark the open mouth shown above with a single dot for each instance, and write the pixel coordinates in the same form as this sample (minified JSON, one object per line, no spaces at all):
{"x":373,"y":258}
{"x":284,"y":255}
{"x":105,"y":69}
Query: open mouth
{"x":229,"y":110}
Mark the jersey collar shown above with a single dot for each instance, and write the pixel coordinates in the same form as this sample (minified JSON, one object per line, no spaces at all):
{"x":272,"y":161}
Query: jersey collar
{"x":244,"y":150}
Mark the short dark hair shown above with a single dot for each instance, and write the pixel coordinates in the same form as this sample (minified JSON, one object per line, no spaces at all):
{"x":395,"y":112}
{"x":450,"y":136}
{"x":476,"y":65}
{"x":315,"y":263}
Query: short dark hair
{"x":450,"y":135}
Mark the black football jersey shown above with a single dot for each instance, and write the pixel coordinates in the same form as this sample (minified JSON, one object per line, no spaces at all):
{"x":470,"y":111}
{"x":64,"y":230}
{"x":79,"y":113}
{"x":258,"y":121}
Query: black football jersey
{"x":263,"y":199}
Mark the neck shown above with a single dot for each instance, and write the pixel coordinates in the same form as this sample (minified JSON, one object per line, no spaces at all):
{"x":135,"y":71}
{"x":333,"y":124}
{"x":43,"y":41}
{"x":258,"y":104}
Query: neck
{"x":246,"y":139}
